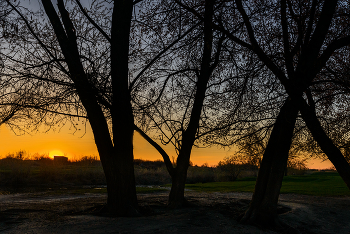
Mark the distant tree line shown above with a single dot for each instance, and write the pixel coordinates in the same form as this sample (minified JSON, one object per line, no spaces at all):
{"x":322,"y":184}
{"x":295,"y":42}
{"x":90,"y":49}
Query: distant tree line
{"x":21,"y":171}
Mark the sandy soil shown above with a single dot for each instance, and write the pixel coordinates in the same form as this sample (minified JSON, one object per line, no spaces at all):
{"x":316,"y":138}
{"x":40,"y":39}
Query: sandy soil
{"x":209,"y":213}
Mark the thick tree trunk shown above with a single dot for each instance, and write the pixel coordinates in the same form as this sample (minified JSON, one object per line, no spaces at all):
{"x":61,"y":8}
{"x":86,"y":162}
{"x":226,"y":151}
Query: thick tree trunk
{"x":122,"y":200}
{"x":122,"y":197}
{"x":119,"y":171}
{"x":177,"y":192}
{"x":263,"y":207}
{"x":300,"y":76}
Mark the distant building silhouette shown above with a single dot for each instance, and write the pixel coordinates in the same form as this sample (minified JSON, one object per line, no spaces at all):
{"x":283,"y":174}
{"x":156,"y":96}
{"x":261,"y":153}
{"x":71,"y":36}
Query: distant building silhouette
{"x":60,"y":160}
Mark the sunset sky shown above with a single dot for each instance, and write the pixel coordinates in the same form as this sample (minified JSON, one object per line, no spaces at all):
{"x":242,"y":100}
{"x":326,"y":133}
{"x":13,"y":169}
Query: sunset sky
{"x":74,"y":146}
{"x":79,"y":144}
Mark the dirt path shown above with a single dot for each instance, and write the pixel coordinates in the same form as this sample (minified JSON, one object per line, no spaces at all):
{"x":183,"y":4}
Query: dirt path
{"x":209,"y":213}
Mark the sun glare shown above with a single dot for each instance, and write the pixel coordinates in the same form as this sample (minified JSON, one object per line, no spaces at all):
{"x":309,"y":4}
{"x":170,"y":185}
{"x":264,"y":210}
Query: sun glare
{"x":55,"y":153}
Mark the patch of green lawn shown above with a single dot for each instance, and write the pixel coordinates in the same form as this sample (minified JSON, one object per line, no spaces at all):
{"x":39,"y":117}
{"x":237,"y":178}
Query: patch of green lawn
{"x":318,"y":184}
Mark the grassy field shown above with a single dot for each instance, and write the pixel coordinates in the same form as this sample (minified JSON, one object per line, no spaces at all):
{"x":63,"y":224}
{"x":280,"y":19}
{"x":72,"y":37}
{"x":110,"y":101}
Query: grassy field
{"x":318,"y":184}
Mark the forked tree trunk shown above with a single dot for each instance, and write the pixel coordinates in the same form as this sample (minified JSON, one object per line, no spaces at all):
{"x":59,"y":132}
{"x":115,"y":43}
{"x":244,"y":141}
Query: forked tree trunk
{"x":263,"y":207}
{"x":117,"y":163}
{"x":119,"y":171}
{"x":117,"y":156}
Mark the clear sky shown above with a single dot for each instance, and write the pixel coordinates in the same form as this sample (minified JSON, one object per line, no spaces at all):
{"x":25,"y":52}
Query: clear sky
{"x":79,"y":144}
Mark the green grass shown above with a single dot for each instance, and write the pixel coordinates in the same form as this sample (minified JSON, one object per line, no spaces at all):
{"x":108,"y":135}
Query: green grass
{"x":318,"y":184}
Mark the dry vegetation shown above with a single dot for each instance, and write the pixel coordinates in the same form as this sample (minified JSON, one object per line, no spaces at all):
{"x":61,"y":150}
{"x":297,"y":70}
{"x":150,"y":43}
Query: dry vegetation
{"x":41,"y":171}
{"x":21,"y":172}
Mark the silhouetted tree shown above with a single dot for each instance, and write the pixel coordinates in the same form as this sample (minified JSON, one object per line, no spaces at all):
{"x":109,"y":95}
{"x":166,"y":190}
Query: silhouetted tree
{"x":72,"y":52}
{"x":195,"y":88}
{"x":295,"y":40}
{"x":65,"y":52}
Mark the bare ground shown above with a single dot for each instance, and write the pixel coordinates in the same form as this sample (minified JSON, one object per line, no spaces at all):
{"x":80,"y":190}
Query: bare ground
{"x":208,"y":213}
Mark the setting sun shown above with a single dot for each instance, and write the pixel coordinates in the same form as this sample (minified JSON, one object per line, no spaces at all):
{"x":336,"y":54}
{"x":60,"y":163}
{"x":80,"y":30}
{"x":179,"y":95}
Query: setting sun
{"x":55,"y":153}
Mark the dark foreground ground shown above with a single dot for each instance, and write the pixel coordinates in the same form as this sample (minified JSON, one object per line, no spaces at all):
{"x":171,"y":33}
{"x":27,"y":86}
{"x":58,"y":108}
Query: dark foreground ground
{"x":209,"y":213}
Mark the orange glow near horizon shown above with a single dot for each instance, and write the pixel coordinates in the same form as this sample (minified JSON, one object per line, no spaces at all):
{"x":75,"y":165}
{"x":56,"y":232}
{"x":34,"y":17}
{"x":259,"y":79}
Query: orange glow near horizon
{"x":74,"y":146}
{"x":56,"y":153}
{"x":63,"y":143}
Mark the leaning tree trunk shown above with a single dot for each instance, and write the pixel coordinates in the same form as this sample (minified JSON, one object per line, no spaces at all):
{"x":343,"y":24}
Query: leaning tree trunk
{"x":263,"y":207}
{"x":176,"y":196}
{"x":325,"y":143}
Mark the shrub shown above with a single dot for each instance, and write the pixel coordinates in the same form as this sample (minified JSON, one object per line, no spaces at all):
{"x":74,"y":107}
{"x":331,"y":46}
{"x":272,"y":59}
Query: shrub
{"x":203,"y":174}
{"x":296,"y":166}
{"x":157,"y":176}
{"x":232,"y":167}
{"x":88,"y":161}
{"x":148,"y":164}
